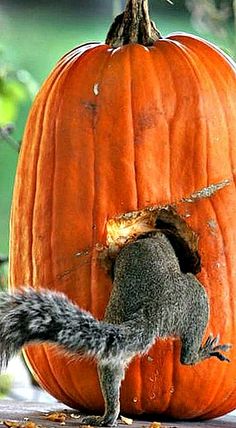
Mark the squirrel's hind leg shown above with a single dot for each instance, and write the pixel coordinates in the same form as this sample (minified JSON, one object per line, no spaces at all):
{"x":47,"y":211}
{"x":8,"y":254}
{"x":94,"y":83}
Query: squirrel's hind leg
{"x":110,"y":376}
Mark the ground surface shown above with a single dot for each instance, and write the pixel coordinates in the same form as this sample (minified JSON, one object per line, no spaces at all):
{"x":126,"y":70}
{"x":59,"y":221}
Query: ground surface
{"x":35,"y":412}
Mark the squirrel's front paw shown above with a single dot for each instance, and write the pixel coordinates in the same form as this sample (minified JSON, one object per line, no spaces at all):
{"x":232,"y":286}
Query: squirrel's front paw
{"x":99,"y":421}
{"x":212,"y":348}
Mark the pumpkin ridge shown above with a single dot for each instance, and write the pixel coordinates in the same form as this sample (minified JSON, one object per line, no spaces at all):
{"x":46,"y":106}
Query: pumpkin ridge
{"x":182,"y":54}
{"x":62,"y":79}
{"x":229,"y":146}
{"x":133,"y":128}
{"x":100,"y":78}
{"x":93,"y":270}
{"x":56,"y":83}
{"x":48,"y":353}
{"x":79,"y":54}
{"x":188,"y":50}
{"x":213,"y":88}
{"x":222,"y":372}
{"x":53,"y":169}
{"x":214,"y":409}
{"x":228,"y":63}
{"x":143,"y":111}
{"x":26,"y":149}
{"x":197,"y":40}
{"x":168,"y":121}
{"x":53,"y":382}
{"x":212,"y":201}
{"x":171,"y":187}
{"x":138,"y":376}
{"x":66,"y":69}
{"x":230,"y":407}
{"x":74,"y":62}
{"x":219,"y":379}
{"x":75,"y":52}
{"x":34,"y":190}
{"x":166,"y":64}
{"x":141,"y":389}
{"x":175,"y":364}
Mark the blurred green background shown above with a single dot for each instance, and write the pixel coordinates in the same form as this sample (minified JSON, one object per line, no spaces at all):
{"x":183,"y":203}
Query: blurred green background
{"x":35,"y":34}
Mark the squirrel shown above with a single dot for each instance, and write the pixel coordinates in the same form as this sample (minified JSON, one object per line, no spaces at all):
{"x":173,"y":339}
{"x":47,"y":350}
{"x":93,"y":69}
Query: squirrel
{"x":151,"y":298}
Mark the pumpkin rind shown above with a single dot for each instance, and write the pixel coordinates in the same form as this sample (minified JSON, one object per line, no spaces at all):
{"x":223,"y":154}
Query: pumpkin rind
{"x":117,"y":130}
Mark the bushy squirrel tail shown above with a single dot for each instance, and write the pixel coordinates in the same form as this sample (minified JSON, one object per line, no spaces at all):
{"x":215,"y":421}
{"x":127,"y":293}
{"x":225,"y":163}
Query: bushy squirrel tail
{"x":30,"y":316}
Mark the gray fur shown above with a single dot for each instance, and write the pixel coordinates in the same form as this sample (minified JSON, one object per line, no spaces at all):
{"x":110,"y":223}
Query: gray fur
{"x":151,"y":298}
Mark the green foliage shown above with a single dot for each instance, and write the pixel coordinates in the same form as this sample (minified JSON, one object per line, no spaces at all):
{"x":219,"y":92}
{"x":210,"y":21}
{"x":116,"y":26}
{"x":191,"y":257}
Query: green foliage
{"x":5,"y":384}
{"x":3,"y":274}
{"x":12,"y":93}
{"x":15,"y":88}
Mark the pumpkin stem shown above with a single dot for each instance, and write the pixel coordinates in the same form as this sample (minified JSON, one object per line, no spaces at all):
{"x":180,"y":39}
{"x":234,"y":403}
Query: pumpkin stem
{"x":133,"y":26}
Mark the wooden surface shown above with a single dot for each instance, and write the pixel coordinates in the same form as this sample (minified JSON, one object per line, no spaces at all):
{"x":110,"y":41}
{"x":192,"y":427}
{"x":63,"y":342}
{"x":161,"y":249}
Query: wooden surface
{"x":36,"y":412}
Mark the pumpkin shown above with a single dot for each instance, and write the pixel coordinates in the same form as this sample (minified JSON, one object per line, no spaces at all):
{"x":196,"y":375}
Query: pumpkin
{"x":138,"y":125}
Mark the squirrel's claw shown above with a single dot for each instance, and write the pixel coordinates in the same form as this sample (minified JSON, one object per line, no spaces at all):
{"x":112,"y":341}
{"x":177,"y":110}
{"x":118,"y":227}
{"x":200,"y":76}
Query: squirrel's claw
{"x":212,"y":348}
{"x":220,"y":356}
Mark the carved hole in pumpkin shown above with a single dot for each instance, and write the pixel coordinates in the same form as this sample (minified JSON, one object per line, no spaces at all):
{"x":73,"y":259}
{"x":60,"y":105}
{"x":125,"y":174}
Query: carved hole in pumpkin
{"x":128,"y":227}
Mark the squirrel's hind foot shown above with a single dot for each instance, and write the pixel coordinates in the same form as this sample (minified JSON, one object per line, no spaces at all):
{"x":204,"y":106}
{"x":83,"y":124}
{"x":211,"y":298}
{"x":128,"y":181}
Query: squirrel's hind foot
{"x":99,"y":421}
{"x":212,"y":348}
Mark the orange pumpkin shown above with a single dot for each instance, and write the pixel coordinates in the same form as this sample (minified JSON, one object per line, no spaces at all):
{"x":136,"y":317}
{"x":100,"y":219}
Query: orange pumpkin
{"x":117,"y":130}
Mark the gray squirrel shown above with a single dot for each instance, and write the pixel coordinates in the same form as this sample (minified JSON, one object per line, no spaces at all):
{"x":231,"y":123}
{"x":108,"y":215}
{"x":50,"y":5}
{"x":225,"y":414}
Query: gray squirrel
{"x":151,"y":298}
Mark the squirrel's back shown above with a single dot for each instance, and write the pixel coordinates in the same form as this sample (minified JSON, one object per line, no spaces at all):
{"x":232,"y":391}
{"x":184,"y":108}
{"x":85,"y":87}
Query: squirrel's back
{"x":142,"y":269}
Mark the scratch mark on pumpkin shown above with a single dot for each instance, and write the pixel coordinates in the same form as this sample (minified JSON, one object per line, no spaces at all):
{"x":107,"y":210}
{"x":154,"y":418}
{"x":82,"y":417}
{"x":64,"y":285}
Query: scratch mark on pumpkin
{"x":90,"y":106}
{"x":207,"y":192}
{"x":64,"y":274}
{"x":83,"y":253}
{"x":212,"y":224}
